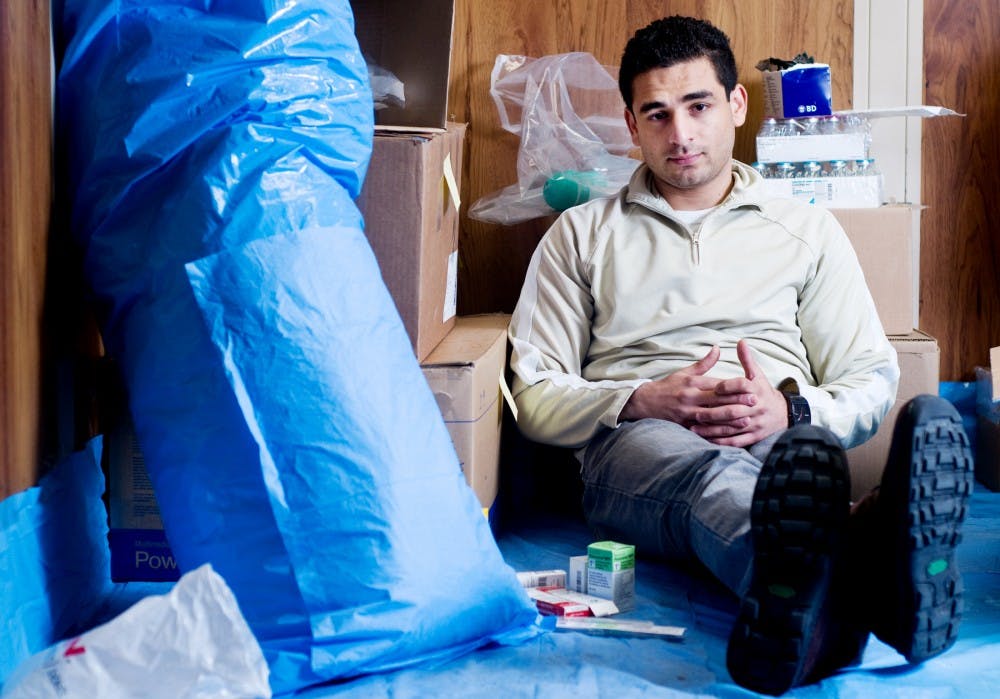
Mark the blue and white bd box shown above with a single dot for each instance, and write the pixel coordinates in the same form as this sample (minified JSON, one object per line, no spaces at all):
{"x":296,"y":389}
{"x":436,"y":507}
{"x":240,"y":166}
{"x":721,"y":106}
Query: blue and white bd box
{"x":802,"y":90}
{"x":139,"y":547}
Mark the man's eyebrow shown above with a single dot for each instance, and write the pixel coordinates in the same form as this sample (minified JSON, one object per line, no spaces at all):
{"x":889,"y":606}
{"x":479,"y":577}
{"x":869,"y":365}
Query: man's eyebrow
{"x":690,"y":97}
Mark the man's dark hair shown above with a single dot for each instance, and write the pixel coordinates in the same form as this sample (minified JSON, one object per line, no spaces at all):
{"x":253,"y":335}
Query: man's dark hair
{"x":674,"y":40}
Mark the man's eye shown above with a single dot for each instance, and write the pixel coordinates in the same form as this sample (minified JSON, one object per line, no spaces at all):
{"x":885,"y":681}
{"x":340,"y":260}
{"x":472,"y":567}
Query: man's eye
{"x":700,"y":107}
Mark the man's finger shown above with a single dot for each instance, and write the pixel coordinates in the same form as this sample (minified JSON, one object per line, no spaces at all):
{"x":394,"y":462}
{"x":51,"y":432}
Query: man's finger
{"x":746,"y":358}
{"x":703,"y":365}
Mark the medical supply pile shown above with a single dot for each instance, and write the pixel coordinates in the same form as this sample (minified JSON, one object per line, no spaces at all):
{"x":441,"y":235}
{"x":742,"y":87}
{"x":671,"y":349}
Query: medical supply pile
{"x":599,"y":585}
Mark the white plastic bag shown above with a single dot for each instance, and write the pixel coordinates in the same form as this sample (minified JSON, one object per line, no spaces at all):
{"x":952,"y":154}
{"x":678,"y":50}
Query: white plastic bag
{"x":190,"y":642}
{"x":574,"y":146}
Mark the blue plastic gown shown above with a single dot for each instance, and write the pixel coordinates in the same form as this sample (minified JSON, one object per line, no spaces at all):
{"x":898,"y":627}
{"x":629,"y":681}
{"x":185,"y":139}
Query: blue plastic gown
{"x":212,"y":152}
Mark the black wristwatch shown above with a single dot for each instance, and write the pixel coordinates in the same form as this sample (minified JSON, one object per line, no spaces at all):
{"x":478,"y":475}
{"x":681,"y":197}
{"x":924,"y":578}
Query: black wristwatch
{"x":798,"y":406}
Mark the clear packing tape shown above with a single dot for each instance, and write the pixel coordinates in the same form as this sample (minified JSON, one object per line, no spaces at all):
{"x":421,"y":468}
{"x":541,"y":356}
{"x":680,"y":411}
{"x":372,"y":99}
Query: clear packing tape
{"x":568,"y":113}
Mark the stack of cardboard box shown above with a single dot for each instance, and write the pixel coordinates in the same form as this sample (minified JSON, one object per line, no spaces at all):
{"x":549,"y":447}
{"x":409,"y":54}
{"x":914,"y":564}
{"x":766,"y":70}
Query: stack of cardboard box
{"x":886,"y":240}
{"x":410,"y":202}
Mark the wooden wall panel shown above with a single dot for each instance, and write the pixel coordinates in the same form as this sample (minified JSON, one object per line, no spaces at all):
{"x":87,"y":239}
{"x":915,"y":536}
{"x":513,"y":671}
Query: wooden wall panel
{"x":960,"y":233}
{"x":25,"y":191}
{"x":492,"y":257}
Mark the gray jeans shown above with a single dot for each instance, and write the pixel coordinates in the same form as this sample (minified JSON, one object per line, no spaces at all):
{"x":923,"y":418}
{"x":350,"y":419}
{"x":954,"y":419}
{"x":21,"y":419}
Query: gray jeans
{"x":661,"y":487}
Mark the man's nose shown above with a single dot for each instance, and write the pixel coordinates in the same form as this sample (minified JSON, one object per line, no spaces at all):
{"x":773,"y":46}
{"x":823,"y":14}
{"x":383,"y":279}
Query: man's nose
{"x":683,"y":130}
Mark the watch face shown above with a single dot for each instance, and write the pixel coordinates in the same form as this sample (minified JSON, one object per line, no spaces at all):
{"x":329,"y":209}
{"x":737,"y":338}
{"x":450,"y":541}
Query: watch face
{"x":798,"y":411}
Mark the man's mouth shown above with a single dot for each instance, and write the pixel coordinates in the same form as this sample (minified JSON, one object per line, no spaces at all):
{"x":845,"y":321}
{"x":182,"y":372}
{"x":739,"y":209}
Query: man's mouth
{"x":684,"y":159}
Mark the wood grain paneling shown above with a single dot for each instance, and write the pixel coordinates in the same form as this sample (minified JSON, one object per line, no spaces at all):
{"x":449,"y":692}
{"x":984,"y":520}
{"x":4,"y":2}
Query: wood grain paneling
{"x":25,"y":191}
{"x":960,"y":242}
{"x":493,"y":258}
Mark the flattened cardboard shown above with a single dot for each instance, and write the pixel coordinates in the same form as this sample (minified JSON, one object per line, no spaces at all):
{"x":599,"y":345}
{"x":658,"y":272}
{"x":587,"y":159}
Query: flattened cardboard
{"x":411,"y":220}
{"x":464,"y":372}
{"x":413,"y":42}
{"x":919,"y":367}
{"x":884,"y":239}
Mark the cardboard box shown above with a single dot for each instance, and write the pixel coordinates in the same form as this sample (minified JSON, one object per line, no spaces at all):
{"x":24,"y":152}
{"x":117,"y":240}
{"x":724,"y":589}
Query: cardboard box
{"x":413,"y":42}
{"x":884,"y":240}
{"x":410,"y":203}
{"x":464,"y":374}
{"x":919,"y":362}
{"x":139,"y":547}
{"x":802,"y":90}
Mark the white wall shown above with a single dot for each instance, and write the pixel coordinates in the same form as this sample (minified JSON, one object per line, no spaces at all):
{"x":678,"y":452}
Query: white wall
{"x":888,"y":72}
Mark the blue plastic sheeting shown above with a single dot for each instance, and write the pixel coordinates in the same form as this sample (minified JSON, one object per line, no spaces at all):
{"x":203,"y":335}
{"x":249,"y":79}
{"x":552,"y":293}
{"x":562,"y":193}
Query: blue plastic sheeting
{"x":213,"y":152}
{"x":53,"y":558}
{"x":962,"y":394}
{"x":574,"y":664}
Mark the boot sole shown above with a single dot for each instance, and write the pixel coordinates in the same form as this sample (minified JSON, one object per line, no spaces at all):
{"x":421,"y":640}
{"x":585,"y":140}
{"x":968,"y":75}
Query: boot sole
{"x":798,"y":527}
{"x":926,"y":488}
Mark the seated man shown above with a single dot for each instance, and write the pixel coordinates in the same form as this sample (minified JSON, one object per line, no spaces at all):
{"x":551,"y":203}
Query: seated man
{"x":710,"y":353}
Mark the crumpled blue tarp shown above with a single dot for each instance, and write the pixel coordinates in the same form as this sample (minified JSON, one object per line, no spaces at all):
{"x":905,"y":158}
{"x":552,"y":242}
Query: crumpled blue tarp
{"x":53,"y":557}
{"x":578,"y":664}
{"x":213,"y":150}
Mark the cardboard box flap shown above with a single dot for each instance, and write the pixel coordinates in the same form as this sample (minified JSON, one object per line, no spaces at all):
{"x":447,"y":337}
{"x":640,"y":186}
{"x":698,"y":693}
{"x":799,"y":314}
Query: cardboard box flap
{"x":413,"y":42}
{"x":479,"y":333}
{"x":915,"y":342}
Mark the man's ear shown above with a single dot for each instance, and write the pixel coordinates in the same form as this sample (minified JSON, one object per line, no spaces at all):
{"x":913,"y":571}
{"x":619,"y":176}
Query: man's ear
{"x":632,"y":127}
{"x":738,"y":104}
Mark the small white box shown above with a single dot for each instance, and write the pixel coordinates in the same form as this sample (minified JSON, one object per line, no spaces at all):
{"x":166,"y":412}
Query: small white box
{"x":542,"y":578}
{"x":611,"y":572}
{"x":577,"y":580}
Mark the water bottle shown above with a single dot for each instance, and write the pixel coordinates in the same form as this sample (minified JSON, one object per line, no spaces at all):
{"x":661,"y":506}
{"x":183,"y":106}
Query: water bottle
{"x":785,"y":170}
{"x":865,"y":166}
{"x":830,"y":125}
{"x":812,"y":169}
{"x":768,"y":128}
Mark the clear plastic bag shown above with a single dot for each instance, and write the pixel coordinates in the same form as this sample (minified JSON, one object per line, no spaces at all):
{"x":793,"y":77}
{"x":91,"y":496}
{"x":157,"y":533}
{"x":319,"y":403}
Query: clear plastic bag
{"x":569,"y":114}
{"x":387,"y":89}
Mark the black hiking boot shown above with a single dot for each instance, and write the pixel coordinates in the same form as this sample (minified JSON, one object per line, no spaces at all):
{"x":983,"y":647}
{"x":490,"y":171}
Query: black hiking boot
{"x":908,"y":575}
{"x":789,"y":621}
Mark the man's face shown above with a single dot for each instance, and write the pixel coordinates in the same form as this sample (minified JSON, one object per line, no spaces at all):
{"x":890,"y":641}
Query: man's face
{"x":685,"y":126}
